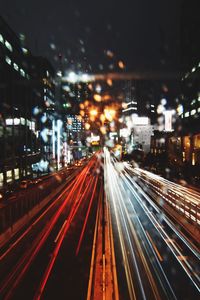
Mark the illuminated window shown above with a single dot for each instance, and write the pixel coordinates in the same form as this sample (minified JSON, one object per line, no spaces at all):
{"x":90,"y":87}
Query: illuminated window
{"x":8,"y":60}
{"x":198,"y":109}
{"x":183,"y":156}
{"x":1,"y":39}
{"x":1,"y":179}
{"x":16,"y":67}
{"x":193,"y":158}
{"x":22,"y":72}
{"x":9,"y":176}
{"x":187,"y":114}
{"x":8,"y":46}
{"x":193,"y":70}
{"x":25,"y":51}
{"x":193,"y":112}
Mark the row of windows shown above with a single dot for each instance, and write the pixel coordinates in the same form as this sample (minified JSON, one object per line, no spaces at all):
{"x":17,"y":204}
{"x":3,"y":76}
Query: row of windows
{"x":6,"y":43}
{"x":190,"y":113}
{"x":16,"y":67}
{"x":194,"y":69}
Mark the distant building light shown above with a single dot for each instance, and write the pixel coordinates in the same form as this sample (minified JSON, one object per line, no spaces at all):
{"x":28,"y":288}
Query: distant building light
{"x":8,"y":46}
{"x":25,"y":51}
{"x":22,"y":72}
{"x":152,"y":105}
{"x":193,"y":159}
{"x":180,"y":109}
{"x":59,"y":74}
{"x":140,"y":120}
{"x":193,"y":70}
{"x":198,"y":109}
{"x":125,"y":132}
{"x":193,"y":112}
{"x":130,"y":108}
{"x":1,"y":39}
{"x":23,"y":121}
{"x":16,"y":67}
{"x":168,"y":120}
{"x":183,"y":154}
{"x":153,"y":111}
{"x":8,"y":60}
{"x":15,"y":121}
{"x":186,"y":75}
{"x":187,"y":114}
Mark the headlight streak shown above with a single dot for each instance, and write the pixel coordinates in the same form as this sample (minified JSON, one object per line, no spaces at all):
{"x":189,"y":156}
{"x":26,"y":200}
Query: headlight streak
{"x":167,"y":220}
{"x":111,"y":196}
{"x":122,"y":202}
{"x":176,"y":252}
{"x":122,"y":209}
{"x":156,"y":256}
{"x":181,"y":190}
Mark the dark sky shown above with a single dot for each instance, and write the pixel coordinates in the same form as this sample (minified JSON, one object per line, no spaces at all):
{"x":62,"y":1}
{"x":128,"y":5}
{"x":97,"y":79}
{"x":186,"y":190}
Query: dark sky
{"x":141,"y":33}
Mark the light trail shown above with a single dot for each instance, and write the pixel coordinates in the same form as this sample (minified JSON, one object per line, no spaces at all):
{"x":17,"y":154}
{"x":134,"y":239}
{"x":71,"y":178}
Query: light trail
{"x":128,"y":201}
{"x":17,"y":273}
{"x":63,"y":234}
{"x":24,"y":234}
{"x":174,"y":249}
{"x":126,"y":229}
{"x":87,"y":215}
{"x":176,"y":231}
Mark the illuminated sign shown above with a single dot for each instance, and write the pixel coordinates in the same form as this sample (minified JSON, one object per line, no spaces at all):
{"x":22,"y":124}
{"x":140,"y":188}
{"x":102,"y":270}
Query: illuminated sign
{"x":168,"y":120}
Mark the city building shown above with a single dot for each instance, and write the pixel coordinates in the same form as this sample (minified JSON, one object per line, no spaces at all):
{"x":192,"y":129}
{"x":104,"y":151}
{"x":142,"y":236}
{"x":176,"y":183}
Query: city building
{"x":140,"y":98}
{"x":185,"y":147}
{"x":23,"y":107}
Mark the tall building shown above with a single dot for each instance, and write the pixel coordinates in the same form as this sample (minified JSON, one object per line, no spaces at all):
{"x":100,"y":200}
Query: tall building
{"x":185,"y":146}
{"x":140,"y":99}
{"x":23,"y":105}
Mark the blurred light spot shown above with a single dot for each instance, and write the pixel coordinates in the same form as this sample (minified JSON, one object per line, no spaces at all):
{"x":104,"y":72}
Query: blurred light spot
{"x":121,"y":64}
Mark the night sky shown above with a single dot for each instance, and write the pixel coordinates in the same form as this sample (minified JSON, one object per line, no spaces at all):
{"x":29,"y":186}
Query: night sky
{"x":142,"y":33}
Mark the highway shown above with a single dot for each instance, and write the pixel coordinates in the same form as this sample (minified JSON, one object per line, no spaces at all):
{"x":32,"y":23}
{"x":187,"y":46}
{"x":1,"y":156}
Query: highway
{"x":182,"y":198}
{"x":51,"y":257}
{"x":154,"y":258}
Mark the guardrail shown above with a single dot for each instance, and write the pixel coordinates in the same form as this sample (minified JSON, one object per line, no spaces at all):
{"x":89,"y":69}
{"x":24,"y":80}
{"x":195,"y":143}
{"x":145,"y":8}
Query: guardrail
{"x":187,"y":208}
{"x":16,"y":209}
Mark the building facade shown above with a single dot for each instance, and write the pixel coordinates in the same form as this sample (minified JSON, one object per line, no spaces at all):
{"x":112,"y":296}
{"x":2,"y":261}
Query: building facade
{"x":22,"y":107}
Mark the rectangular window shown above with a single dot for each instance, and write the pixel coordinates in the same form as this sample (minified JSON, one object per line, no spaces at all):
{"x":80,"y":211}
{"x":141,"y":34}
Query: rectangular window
{"x":8,"y":60}
{"x":1,"y":39}
{"x":16,"y":67}
{"x":187,"y":114}
{"x":8,"y":46}
{"x":22,"y":72}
